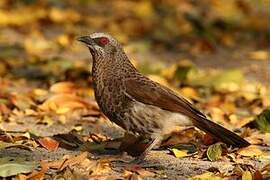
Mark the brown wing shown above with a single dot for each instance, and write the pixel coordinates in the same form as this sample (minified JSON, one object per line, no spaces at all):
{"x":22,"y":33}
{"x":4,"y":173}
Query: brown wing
{"x":148,"y":92}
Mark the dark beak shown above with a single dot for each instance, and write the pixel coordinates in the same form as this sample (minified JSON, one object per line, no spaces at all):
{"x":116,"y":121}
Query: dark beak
{"x":87,"y":40}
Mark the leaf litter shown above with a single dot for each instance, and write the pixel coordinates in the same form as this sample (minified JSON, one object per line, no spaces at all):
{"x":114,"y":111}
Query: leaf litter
{"x":42,"y":77}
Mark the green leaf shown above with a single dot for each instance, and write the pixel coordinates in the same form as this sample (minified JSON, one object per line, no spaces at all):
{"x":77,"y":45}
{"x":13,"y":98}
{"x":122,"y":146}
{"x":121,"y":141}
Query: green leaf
{"x":214,"y":152}
{"x":263,"y":121}
{"x":10,"y":166}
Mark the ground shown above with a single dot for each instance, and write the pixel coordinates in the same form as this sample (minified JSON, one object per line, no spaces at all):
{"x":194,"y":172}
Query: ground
{"x":51,"y":126}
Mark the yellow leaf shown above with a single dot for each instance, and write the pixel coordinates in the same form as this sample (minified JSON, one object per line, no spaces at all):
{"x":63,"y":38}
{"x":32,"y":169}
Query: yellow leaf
{"x":205,"y":176}
{"x":189,"y":92}
{"x":63,"y":87}
{"x":169,"y":72}
{"x":64,"y":40}
{"x":59,"y":101}
{"x":36,"y":44}
{"x":59,"y":15}
{"x":179,"y":153}
{"x":259,"y":55}
{"x":21,"y":16}
{"x":62,"y":110}
{"x":40,"y":92}
{"x":250,"y":151}
{"x":143,"y":9}
{"x":246,"y":175}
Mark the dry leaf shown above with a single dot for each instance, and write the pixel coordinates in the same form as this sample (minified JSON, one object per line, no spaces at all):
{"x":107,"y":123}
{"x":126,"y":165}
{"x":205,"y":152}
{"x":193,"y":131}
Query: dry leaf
{"x":250,"y":151}
{"x":205,"y":176}
{"x":259,"y":55}
{"x":179,"y":153}
{"x":49,"y":143}
{"x":39,"y":175}
{"x":63,"y":87}
{"x":246,"y":175}
{"x":59,"y":101}
{"x":139,"y":170}
{"x":74,"y":160}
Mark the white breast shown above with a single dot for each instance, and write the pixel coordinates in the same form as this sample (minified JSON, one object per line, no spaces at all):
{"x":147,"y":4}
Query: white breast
{"x":166,"y":120}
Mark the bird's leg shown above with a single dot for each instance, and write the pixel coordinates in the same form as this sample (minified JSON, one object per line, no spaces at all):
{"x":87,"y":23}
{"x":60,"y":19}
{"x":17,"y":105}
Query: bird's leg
{"x":151,"y":145}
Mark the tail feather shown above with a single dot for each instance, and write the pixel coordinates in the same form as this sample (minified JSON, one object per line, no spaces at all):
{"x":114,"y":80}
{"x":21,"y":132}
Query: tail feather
{"x":220,"y":132}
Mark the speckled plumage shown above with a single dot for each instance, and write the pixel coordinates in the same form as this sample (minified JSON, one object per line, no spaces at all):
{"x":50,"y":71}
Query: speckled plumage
{"x":138,"y":104}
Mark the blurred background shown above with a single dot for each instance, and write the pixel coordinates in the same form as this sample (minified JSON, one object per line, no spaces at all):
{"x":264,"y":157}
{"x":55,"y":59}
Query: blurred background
{"x":215,"y":53}
{"x":37,"y":38}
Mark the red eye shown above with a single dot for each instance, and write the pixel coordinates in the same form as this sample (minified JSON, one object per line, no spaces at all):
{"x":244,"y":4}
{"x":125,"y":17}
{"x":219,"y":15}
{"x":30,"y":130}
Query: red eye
{"x":103,"y":41}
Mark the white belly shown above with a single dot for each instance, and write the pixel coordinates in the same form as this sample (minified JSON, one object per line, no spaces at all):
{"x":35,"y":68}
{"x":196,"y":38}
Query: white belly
{"x":152,"y":116}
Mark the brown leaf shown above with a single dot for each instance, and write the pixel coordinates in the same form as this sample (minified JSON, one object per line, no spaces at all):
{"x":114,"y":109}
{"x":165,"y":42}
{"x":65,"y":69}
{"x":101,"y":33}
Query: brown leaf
{"x":65,"y":101}
{"x":74,"y":160}
{"x":102,"y":177}
{"x":134,"y":176}
{"x":55,"y":164}
{"x":39,"y":175}
{"x":49,"y":143}
{"x":4,"y":109}
{"x":257,"y":175}
{"x":266,"y":168}
{"x":182,"y":136}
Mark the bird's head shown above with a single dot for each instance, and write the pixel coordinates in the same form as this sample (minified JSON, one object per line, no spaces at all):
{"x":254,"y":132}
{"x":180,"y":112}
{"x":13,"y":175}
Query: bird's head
{"x":100,"y":44}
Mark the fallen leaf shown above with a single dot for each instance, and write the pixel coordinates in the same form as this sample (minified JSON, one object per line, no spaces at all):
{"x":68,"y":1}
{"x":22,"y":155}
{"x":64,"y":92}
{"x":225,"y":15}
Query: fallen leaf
{"x":74,"y":160}
{"x":181,"y":136}
{"x":10,"y":166}
{"x":259,"y":55}
{"x":39,"y":175}
{"x":265,"y":159}
{"x":250,"y":151}
{"x":214,"y":152}
{"x":257,"y":175}
{"x":228,"y":80}
{"x":179,"y":153}
{"x":6,"y":145}
{"x":60,"y":16}
{"x":134,"y":176}
{"x":60,"y":101}
{"x":21,"y":101}
{"x":246,"y":175}
{"x":262,"y":121}
{"x":190,"y":148}
{"x":63,"y":87}
{"x":49,"y":143}
{"x":205,"y":176}
{"x":139,"y":170}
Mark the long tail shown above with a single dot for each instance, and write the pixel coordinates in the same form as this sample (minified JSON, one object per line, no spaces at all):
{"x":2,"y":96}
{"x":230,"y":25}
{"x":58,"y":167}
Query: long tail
{"x":220,"y":132}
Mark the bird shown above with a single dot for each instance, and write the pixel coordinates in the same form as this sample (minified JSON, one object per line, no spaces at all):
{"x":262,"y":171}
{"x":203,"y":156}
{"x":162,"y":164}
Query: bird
{"x":139,"y":105}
